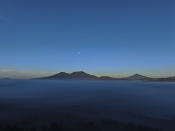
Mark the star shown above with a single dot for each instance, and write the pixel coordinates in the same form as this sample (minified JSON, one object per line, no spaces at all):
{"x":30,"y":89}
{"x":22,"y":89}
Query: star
{"x":78,"y":53}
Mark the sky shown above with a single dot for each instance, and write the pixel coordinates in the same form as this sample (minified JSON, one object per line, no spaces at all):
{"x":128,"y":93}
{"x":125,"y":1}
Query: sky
{"x":101,"y":37}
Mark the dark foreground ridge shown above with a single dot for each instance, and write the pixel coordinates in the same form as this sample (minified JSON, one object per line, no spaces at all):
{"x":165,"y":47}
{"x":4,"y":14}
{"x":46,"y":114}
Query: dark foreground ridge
{"x":80,"y":75}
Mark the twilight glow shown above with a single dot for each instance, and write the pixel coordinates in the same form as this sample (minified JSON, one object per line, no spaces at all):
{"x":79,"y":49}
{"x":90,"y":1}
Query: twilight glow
{"x":102,"y":37}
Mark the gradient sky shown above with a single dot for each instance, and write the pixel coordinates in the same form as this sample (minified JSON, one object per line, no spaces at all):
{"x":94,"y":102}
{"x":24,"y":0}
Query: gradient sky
{"x":102,"y":37}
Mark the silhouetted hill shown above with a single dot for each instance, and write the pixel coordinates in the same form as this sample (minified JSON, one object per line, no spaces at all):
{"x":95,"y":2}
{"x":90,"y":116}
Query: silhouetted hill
{"x":61,"y":75}
{"x":80,"y":75}
{"x":137,"y":77}
{"x":165,"y":79}
{"x":74,"y":75}
{"x":106,"y":78}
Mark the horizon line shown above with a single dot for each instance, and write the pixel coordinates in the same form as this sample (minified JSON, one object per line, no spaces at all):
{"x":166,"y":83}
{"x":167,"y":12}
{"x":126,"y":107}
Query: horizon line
{"x":97,"y":75}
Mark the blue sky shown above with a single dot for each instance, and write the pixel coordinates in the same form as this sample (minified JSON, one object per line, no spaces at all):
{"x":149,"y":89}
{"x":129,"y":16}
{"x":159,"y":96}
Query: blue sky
{"x":103,"y":37}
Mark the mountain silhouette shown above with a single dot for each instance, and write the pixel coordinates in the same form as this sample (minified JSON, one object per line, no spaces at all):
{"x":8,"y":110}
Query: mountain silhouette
{"x":61,"y":75}
{"x":74,"y":75}
{"x":165,"y":79}
{"x":80,"y":75}
{"x":137,"y":77}
{"x":106,"y":78}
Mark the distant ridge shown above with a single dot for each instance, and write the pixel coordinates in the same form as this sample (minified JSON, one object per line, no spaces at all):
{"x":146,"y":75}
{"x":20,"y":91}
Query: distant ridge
{"x":74,"y":75}
{"x":80,"y":75}
{"x":165,"y":79}
{"x":106,"y":78}
{"x":61,"y":75}
{"x":138,"y":77}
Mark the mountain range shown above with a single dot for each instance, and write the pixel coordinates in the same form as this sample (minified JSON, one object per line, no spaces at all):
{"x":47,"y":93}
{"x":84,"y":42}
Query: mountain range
{"x":80,"y":75}
{"x":74,"y":75}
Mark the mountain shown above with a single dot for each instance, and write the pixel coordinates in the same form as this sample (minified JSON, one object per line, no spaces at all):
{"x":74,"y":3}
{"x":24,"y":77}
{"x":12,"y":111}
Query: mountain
{"x":106,"y":78}
{"x":137,"y":77}
{"x":74,"y":75}
{"x":61,"y":75}
{"x":80,"y":75}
